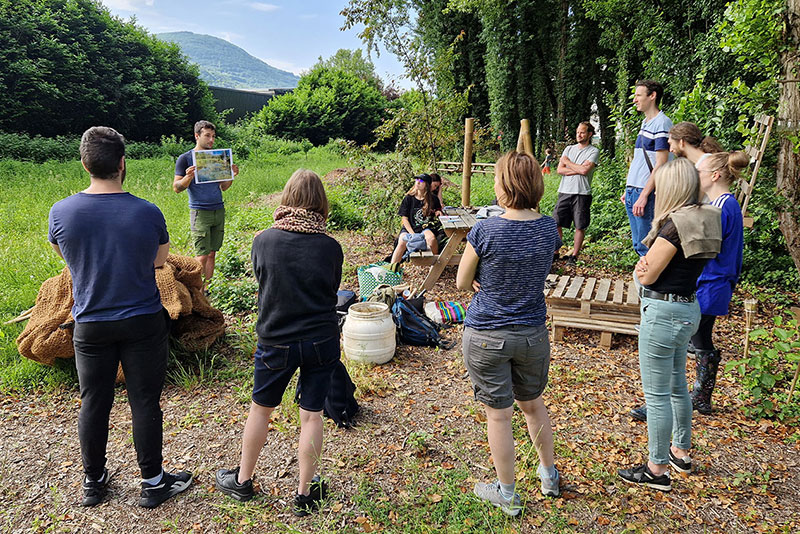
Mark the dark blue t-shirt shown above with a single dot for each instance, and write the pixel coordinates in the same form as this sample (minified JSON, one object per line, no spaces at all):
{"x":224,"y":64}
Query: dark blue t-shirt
{"x":109,"y":242}
{"x":515,"y":258}
{"x":206,"y":196}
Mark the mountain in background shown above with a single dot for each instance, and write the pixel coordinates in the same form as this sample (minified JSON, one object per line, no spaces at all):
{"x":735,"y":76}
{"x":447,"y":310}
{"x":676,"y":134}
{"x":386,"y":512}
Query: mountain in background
{"x":226,"y":65}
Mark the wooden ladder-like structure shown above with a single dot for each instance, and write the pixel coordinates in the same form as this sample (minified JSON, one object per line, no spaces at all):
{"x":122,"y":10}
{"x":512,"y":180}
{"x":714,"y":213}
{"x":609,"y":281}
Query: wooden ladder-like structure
{"x":608,"y":306}
{"x":762,"y":125}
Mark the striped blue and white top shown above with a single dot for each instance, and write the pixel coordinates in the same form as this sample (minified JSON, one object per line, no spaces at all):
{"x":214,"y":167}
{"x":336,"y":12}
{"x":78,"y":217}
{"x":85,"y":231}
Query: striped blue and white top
{"x":653,"y":136}
{"x":515,"y":258}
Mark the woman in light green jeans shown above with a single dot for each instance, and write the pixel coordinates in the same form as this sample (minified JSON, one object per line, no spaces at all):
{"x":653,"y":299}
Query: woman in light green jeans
{"x":685,"y":234}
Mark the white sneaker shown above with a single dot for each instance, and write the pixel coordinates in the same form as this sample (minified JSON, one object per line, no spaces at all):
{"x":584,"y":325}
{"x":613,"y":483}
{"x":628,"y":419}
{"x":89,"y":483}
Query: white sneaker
{"x":491,"y":493}
{"x":550,"y":486}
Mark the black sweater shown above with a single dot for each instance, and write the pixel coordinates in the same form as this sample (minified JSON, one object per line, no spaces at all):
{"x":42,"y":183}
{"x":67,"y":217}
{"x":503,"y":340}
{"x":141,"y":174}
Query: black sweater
{"x":298,"y":275}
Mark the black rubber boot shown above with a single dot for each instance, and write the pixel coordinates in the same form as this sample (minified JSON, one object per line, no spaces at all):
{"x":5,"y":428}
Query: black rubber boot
{"x":707,"y":365}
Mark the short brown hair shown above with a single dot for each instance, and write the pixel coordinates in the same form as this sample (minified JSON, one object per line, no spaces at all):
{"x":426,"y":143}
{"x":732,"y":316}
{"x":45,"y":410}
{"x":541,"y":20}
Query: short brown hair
{"x":199,"y":125}
{"x":101,"y":150}
{"x":305,"y":190}
{"x":589,"y":127}
{"x":689,"y":133}
{"x":652,"y":86}
{"x":520,"y":180}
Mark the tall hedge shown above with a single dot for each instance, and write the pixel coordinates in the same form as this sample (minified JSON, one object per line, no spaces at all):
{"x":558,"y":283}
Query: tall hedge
{"x":68,"y":65}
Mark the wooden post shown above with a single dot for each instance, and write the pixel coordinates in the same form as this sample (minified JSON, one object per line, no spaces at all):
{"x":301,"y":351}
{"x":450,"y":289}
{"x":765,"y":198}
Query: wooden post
{"x":524,"y":142}
{"x":466,"y":176}
{"x":750,"y":306}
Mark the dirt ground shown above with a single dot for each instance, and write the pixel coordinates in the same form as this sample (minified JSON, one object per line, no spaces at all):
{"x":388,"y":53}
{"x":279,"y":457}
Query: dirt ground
{"x":747,"y":478}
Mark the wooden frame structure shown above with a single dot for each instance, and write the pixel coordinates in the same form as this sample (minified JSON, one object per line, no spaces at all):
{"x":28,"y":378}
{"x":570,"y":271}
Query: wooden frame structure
{"x":467,"y":167}
{"x":755,"y":149}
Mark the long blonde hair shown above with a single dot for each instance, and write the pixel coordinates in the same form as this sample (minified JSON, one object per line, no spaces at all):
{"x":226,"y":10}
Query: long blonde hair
{"x":677,"y":185}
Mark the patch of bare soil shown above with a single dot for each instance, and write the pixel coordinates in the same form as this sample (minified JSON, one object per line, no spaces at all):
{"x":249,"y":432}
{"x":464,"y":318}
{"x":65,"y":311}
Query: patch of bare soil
{"x":747,"y":478}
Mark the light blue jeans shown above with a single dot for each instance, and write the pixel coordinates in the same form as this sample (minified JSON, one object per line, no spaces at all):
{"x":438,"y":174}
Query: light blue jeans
{"x":640,"y":226}
{"x":664,"y":334}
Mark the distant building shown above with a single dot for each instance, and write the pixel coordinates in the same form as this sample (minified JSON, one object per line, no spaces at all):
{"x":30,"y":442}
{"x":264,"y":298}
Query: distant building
{"x":243,"y":102}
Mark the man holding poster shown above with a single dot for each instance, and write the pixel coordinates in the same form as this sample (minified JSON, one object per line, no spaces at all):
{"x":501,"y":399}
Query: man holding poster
{"x":206,"y":208}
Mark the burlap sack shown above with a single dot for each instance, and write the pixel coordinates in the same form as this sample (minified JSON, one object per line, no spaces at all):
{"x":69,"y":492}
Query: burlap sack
{"x":48,"y":334}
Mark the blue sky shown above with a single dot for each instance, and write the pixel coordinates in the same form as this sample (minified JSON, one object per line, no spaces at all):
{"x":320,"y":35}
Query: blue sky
{"x":288,"y":34}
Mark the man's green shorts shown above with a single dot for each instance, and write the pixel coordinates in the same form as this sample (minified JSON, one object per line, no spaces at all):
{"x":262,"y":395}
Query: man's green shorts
{"x":208,"y":229}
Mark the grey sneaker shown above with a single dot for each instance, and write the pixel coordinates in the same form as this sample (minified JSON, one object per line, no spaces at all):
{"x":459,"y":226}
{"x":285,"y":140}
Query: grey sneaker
{"x":491,"y":493}
{"x":550,"y":486}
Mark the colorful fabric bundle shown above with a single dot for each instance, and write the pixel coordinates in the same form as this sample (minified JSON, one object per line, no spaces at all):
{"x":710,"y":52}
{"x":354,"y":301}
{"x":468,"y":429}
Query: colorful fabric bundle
{"x":445,"y":312}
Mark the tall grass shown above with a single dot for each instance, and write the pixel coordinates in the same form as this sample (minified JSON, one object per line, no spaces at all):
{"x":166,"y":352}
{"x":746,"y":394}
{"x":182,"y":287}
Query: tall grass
{"x":26,"y":258}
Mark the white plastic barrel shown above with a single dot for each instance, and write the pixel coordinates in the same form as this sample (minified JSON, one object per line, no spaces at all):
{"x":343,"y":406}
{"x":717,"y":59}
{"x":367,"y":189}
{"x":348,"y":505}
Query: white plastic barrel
{"x":369,"y":333}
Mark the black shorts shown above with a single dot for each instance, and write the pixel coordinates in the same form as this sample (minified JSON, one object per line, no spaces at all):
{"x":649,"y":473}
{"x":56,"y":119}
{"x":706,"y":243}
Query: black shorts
{"x":275,"y":365}
{"x":572,"y":208}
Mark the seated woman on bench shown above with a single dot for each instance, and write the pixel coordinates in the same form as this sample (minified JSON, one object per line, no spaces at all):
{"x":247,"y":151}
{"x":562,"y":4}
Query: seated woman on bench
{"x":418,"y":211}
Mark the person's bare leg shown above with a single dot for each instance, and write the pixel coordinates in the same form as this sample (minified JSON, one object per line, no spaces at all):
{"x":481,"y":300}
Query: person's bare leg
{"x":309,"y":449}
{"x":501,"y":442}
{"x":430,"y":239}
{"x":399,"y":250}
{"x":578,"y":242}
{"x":539,"y":428}
{"x":253,"y":440}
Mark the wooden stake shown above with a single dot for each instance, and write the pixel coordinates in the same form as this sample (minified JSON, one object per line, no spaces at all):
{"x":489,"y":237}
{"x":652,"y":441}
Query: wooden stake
{"x":524,"y":142}
{"x":750,"y":307}
{"x":24,"y":316}
{"x":466,"y":176}
{"x":796,"y":312}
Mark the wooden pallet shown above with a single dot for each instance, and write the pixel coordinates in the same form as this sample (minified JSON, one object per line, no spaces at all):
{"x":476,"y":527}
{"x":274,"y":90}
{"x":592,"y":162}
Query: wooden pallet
{"x":608,"y":306}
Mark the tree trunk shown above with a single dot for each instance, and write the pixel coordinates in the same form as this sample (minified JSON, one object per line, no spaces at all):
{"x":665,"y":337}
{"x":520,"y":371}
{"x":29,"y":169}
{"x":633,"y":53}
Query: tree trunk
{"x":561,"y":119}
{"x":788,"y":171}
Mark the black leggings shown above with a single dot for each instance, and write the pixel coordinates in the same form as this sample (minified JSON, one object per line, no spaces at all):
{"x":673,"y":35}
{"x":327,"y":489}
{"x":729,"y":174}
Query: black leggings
{"x":141,"y":344}
{"x":702,"y":338}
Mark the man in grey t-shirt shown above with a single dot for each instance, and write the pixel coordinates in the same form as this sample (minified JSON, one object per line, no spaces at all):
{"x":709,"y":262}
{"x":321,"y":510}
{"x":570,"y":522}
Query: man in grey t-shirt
{"x":576,"y":167}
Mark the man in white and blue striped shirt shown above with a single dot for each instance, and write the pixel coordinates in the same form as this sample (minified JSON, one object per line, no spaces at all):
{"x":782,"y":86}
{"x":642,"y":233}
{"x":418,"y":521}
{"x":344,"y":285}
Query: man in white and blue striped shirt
{"x":652,"y":151}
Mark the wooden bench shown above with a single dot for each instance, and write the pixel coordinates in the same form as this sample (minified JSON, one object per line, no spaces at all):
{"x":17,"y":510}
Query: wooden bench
{"x":427,"y":258}
{"x":608,"y":306}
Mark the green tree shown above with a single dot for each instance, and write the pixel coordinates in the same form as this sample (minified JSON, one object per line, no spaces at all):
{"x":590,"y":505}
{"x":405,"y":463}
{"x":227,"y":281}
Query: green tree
{"x":327,"y":104}
{"x":68,"y":65}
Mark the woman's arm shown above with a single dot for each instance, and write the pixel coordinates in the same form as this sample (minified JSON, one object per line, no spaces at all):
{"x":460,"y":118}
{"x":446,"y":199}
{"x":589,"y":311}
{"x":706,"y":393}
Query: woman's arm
{"x":467,"y":267}
{"x":407,"y":225}
{"x":650,"y":266}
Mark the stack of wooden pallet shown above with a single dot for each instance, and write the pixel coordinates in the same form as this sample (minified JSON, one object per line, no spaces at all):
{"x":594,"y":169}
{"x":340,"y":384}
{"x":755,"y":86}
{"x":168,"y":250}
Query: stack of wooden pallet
{"x":608,"y":306}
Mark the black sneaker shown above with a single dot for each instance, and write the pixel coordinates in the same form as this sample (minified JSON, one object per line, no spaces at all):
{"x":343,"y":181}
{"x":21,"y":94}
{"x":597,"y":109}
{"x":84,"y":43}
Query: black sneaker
{"x":228,"y":483}
{"x":94,"y":490}
{"x":684,"y":465}
{"x":640,"y":413}
{"x":643,"y":475}
{"x":154,"y":494}
{"x":305,"y":504}
{"x":572,"y":260}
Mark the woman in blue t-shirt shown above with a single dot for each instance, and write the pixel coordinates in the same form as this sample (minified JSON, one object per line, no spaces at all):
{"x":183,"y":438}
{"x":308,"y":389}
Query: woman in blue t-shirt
{"x":506,"y":346}
{"x":715,"y":285}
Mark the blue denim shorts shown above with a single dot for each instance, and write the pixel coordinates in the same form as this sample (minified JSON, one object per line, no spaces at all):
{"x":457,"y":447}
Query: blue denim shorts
{"x":507,"y":363}
{"x":275,"y":365}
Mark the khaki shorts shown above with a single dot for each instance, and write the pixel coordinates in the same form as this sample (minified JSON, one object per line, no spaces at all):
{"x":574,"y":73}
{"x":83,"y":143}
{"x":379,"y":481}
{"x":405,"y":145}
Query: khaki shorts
{"x":208,"y":229}
{"x":507,"y":363}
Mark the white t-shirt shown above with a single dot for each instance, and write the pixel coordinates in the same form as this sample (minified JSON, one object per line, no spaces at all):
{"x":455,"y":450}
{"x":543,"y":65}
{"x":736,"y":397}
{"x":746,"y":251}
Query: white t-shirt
{"x":577,"y":184}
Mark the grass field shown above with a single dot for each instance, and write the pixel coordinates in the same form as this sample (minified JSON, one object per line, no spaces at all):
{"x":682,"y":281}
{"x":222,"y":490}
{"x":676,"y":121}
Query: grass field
{"x":27,"y":260}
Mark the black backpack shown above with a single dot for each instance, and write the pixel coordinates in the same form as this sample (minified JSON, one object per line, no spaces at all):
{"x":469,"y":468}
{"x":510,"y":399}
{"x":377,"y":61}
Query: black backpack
{"x":414,"y":327}
{"x":340,"y":402}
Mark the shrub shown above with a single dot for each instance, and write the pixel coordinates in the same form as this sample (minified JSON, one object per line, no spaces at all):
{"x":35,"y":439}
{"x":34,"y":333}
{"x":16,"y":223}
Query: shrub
{"x":766,"y":372}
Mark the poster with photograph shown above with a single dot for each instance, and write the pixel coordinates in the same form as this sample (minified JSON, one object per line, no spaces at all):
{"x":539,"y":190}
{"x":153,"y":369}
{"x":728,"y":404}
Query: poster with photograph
{"x":213,"y":165}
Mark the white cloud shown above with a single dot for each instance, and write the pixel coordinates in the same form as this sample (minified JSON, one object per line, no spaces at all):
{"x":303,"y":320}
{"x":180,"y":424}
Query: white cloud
{"x":284,"y":65}
{"x":229,"y":36}
{"x":128,"y":5}
{"x":261,"y":6}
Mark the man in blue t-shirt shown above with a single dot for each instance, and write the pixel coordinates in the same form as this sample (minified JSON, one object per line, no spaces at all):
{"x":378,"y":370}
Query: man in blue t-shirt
{"x":112,"y":242}
{"x":652,"y":151}
{"x":206,"y":208}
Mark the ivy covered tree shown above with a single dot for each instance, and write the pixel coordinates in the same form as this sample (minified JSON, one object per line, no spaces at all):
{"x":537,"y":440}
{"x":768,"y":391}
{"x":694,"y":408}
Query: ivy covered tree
{"x":68,"y":65}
